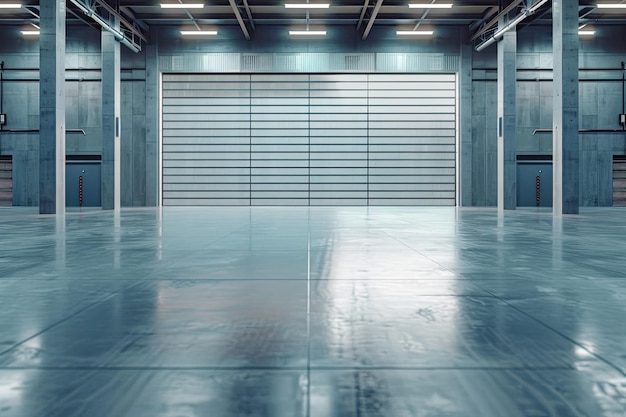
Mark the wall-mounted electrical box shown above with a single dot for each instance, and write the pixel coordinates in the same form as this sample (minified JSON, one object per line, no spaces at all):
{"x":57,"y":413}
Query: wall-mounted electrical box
{"x":622,"y":119}
{"x":3,"y":119}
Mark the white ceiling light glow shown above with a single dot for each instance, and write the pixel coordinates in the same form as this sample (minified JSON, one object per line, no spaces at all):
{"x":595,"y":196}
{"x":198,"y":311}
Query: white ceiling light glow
{"x":307,"y":6}
{"x":198,"y":32}
{"x":307,"y":32}
{"x":586,"y":32}
{"x":430,"y":5}
{"x":30,"y":32}
{"x":182,"y":5}
{"x":611,"y":6}
{"x":10,"y":6}
{"x":414,"y":32}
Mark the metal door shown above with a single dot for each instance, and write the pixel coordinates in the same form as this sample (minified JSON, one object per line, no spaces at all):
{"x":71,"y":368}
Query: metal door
{"x":83,"y":184}
{"x":534,"y":184}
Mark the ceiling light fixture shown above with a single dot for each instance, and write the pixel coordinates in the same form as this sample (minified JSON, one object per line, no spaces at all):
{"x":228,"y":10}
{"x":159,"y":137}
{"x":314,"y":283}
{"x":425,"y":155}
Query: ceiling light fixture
{"x":307,"y":6}
{"x":10,"y":6}
{"x":182,"y":5}
{"x":307,"y":32}
{"x":30,"y":32}
{"x":414,"y":32}
{"x":586,"y":32}
{"x":430,"y":5}
{"x":611,"y":5}
{"x":198,"y":32}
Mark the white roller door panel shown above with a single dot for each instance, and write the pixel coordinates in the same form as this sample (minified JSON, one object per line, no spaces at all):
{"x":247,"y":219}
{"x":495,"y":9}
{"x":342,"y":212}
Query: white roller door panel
{"x":318,"y":139}
{"x":274,"y":137}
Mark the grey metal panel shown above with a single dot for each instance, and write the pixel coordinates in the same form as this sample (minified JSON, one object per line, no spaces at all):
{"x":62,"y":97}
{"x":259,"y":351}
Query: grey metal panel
{"x":338,"y":179}
{"x":167,"y":195}
{"x":205,"y":179}
{"x":201,"y":110}
{"x":207,"y":187}
{"x":280,"y":171}
{"x":317,"y":118}
{"x":339,"y":109}
{"x":339,"y":188}
{"x":206,"y":171}
{"x":279,"y":179}
{"x":280,"y":187}
{"x":177,"y":201}
{"x":334,"y":147}
{"x":429,"y":186}
{"x":280,"y":202}
{"x":206,"y":163}
{"x":328,"y":195}
{"x":258,"y":141}
{"x":339,"y":202}
{"x":205,"y":101}
{"x":411,"y":194}
{"x":427,"y":78}
{"x":203,"y":140}
{"x":174,"y":149}
{"x":167,"y":133}
{"x":200,"y":78}
{"x":267,"y":194}
{"x":345,"y":140}
{"x":411,"y":202}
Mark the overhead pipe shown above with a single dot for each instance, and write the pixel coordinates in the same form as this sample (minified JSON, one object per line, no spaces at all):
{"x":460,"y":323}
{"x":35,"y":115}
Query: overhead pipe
{"x":119,"y":36}
{"x":512,"y":24}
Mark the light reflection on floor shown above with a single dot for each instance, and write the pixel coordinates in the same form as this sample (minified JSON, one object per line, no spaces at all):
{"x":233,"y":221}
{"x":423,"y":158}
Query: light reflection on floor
{"x":312,"y":312}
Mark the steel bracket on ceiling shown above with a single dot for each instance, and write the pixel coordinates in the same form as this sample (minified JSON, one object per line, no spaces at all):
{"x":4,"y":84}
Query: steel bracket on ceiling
{"x":130,"y":34}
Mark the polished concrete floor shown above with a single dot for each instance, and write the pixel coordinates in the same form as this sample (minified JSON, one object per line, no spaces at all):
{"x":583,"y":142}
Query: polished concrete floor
{"x":287,"y":312}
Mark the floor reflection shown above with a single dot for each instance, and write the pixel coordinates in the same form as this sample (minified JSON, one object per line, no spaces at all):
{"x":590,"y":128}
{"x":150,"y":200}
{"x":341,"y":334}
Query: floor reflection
{"x":320,"y":311}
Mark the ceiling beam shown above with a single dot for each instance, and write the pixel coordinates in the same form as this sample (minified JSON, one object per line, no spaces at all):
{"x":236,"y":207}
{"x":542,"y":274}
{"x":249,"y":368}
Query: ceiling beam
{"x":363,"y":11}
{"x":371,"y":20}
{"x":242,"y":24}
{"x":249,"y":13}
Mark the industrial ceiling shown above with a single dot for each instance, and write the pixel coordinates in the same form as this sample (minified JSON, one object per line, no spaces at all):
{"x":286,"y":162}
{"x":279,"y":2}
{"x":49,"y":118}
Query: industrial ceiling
{"x":137,"y":17}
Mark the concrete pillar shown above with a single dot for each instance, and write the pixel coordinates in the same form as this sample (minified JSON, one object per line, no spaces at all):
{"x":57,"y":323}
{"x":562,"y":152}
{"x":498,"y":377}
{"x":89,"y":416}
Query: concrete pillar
{"x":465,"y":124}
{"x":52,"y":107}
{"x":507,"y":172}
{"x":152,"y":126}
{"x":565,"y":107}
{"x":111,"y":122}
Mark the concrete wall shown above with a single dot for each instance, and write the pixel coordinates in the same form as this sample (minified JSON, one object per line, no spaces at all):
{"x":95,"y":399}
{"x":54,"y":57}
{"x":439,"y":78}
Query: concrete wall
{"x":83,"y":100}
{"x":600,"y":95}
{"x":271,"y":50}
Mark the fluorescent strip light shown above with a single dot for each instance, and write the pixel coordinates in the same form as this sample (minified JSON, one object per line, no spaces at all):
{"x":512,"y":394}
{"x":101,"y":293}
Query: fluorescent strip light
{"x":30,"y":32}
{"x":182,"y":6}
{"x":611,"y":6}
{"x":581,"y":27}
{"x":414,"y":32}
{"x":586,"y":32}
{"x":307,"y":6}
{"x":430,"y":6}
{"x":10,"y":6}
{"x":198,"y":32}
{"x":307,"y":32}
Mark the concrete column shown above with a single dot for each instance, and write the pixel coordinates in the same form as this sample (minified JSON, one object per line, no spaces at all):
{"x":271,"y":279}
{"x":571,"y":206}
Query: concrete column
{"x":507,"y":173}
{"x":565,"y":108}
{"x":52,"y":107}
{"x":152,"y":126}
{"x":111,"y":122}
{"x":465,"y":125}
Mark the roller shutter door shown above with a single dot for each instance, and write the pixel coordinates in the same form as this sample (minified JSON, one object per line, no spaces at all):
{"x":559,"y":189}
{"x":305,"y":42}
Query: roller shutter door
{"x":300,"y":139}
